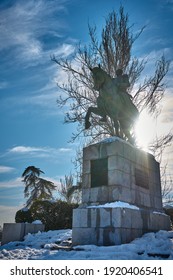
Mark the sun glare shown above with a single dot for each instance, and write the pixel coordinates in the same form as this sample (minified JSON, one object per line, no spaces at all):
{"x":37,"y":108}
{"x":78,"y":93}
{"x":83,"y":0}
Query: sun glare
{"x":145,"y":130}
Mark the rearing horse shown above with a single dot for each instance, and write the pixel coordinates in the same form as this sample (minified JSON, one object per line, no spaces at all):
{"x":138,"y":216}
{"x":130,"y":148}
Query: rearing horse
{"x":110,"y":102}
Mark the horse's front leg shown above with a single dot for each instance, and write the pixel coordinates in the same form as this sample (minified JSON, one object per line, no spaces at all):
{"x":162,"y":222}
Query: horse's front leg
{"x":96,"y":111}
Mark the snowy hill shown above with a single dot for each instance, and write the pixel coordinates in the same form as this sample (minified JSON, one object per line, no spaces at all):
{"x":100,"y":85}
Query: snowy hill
{"x":56,"y":245}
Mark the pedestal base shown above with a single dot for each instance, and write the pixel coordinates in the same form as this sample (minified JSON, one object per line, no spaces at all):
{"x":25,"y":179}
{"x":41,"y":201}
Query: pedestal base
{"x":114,"y":170}
{"x":113,"y":226}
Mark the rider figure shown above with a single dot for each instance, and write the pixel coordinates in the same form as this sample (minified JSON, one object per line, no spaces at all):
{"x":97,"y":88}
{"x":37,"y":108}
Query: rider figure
{"x":122,"y":83}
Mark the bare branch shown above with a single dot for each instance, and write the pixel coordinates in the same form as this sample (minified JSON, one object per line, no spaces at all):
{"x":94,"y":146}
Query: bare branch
{"x":159,"y":144}
{"x":151,"y":92}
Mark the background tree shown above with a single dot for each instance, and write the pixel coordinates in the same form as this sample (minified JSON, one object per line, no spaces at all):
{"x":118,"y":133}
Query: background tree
{"x":157,"y":147}
{"x":70,"y":192}
{"x":36,"y":187}
{"x":24,"y":216}
{"x":54,"y":215}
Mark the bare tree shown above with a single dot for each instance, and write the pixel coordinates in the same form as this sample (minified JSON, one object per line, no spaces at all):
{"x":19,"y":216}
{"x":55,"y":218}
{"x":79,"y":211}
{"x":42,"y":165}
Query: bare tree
{"x":112,"y":50}
{"x":159,"y":144}
{"x":157,"y":147}
{"x":69,"y":191}
{"x":167,"y":185}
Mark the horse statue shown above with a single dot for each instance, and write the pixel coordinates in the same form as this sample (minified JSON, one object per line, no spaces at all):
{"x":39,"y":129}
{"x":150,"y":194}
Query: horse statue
{"x":113,"y":101}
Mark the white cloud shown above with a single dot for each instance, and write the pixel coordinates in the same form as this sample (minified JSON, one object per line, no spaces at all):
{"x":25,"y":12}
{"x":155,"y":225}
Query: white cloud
{"x":6,"y":169}
{"x":46,"y":96}
{"x":64,"y":50}
{"x":14,"y":183}
{"x":44,"y":101}
{"x":64,"y":150}
{"x":25,"y":149}
{"x":24,"y":23}
{"x":39,"y":152}
{"x":24,"y":29}
{"x":17,"y":182}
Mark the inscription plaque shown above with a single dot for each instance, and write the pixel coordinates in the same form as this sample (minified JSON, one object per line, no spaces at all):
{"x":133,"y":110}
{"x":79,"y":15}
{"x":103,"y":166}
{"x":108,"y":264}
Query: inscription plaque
{"x":99,"y":172}
{"x":141,"y":178}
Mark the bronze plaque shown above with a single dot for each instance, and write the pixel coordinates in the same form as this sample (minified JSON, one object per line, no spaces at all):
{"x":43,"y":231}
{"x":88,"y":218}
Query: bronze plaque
{"x":99,"y":172}
{"x":141,"y":178}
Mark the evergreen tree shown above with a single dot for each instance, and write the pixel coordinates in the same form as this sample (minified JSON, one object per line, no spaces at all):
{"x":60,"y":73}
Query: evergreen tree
{"x":36,"y":188}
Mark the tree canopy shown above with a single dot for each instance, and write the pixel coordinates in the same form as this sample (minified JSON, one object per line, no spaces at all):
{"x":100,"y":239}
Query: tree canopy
{"x":36,"y":188}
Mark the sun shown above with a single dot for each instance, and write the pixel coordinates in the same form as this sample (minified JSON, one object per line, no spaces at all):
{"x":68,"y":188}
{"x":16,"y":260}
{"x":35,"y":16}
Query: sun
{"x":145,"y":130}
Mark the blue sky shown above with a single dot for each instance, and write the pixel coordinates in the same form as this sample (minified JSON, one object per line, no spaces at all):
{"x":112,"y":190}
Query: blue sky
{"x":32,"y":129}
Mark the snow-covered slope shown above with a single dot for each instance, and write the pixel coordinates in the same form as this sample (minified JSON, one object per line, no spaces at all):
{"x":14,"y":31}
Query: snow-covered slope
{"x":56,"y":245}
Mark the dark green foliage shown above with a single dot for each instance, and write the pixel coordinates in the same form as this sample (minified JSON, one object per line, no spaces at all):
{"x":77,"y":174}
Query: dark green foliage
{"x":23,"y":216}
{"x":54,"y":215}
{"x":36,"y":187}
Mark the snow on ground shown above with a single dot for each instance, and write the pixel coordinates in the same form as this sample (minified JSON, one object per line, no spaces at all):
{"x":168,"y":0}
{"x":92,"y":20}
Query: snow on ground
{"x":47,"y":246}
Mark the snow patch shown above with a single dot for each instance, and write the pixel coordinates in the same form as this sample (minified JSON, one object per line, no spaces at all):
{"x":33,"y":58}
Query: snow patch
{"x":159,"y":213}
{"x":116,"y":204}
{"x":37,"y":222}
{"x":114,"y":139}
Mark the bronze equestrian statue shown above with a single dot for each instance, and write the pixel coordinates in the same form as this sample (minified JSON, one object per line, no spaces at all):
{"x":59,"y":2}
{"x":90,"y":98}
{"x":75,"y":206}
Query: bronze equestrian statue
{"x":113,"y":101}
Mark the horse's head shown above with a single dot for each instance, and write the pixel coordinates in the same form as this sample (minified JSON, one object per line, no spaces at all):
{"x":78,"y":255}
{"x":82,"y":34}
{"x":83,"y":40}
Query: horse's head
{"x":99,"y":77}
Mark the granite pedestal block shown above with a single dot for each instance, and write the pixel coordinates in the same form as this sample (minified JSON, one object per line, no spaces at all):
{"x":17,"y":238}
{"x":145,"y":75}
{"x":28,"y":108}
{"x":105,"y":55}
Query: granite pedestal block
{"x":114,"y":170}
{"x":17,"y":231}
{"x":114,"y":226}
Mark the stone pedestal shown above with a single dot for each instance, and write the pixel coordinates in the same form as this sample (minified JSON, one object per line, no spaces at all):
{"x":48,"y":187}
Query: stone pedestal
{"x":17,"y":231}
{"x":114,"y":170}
